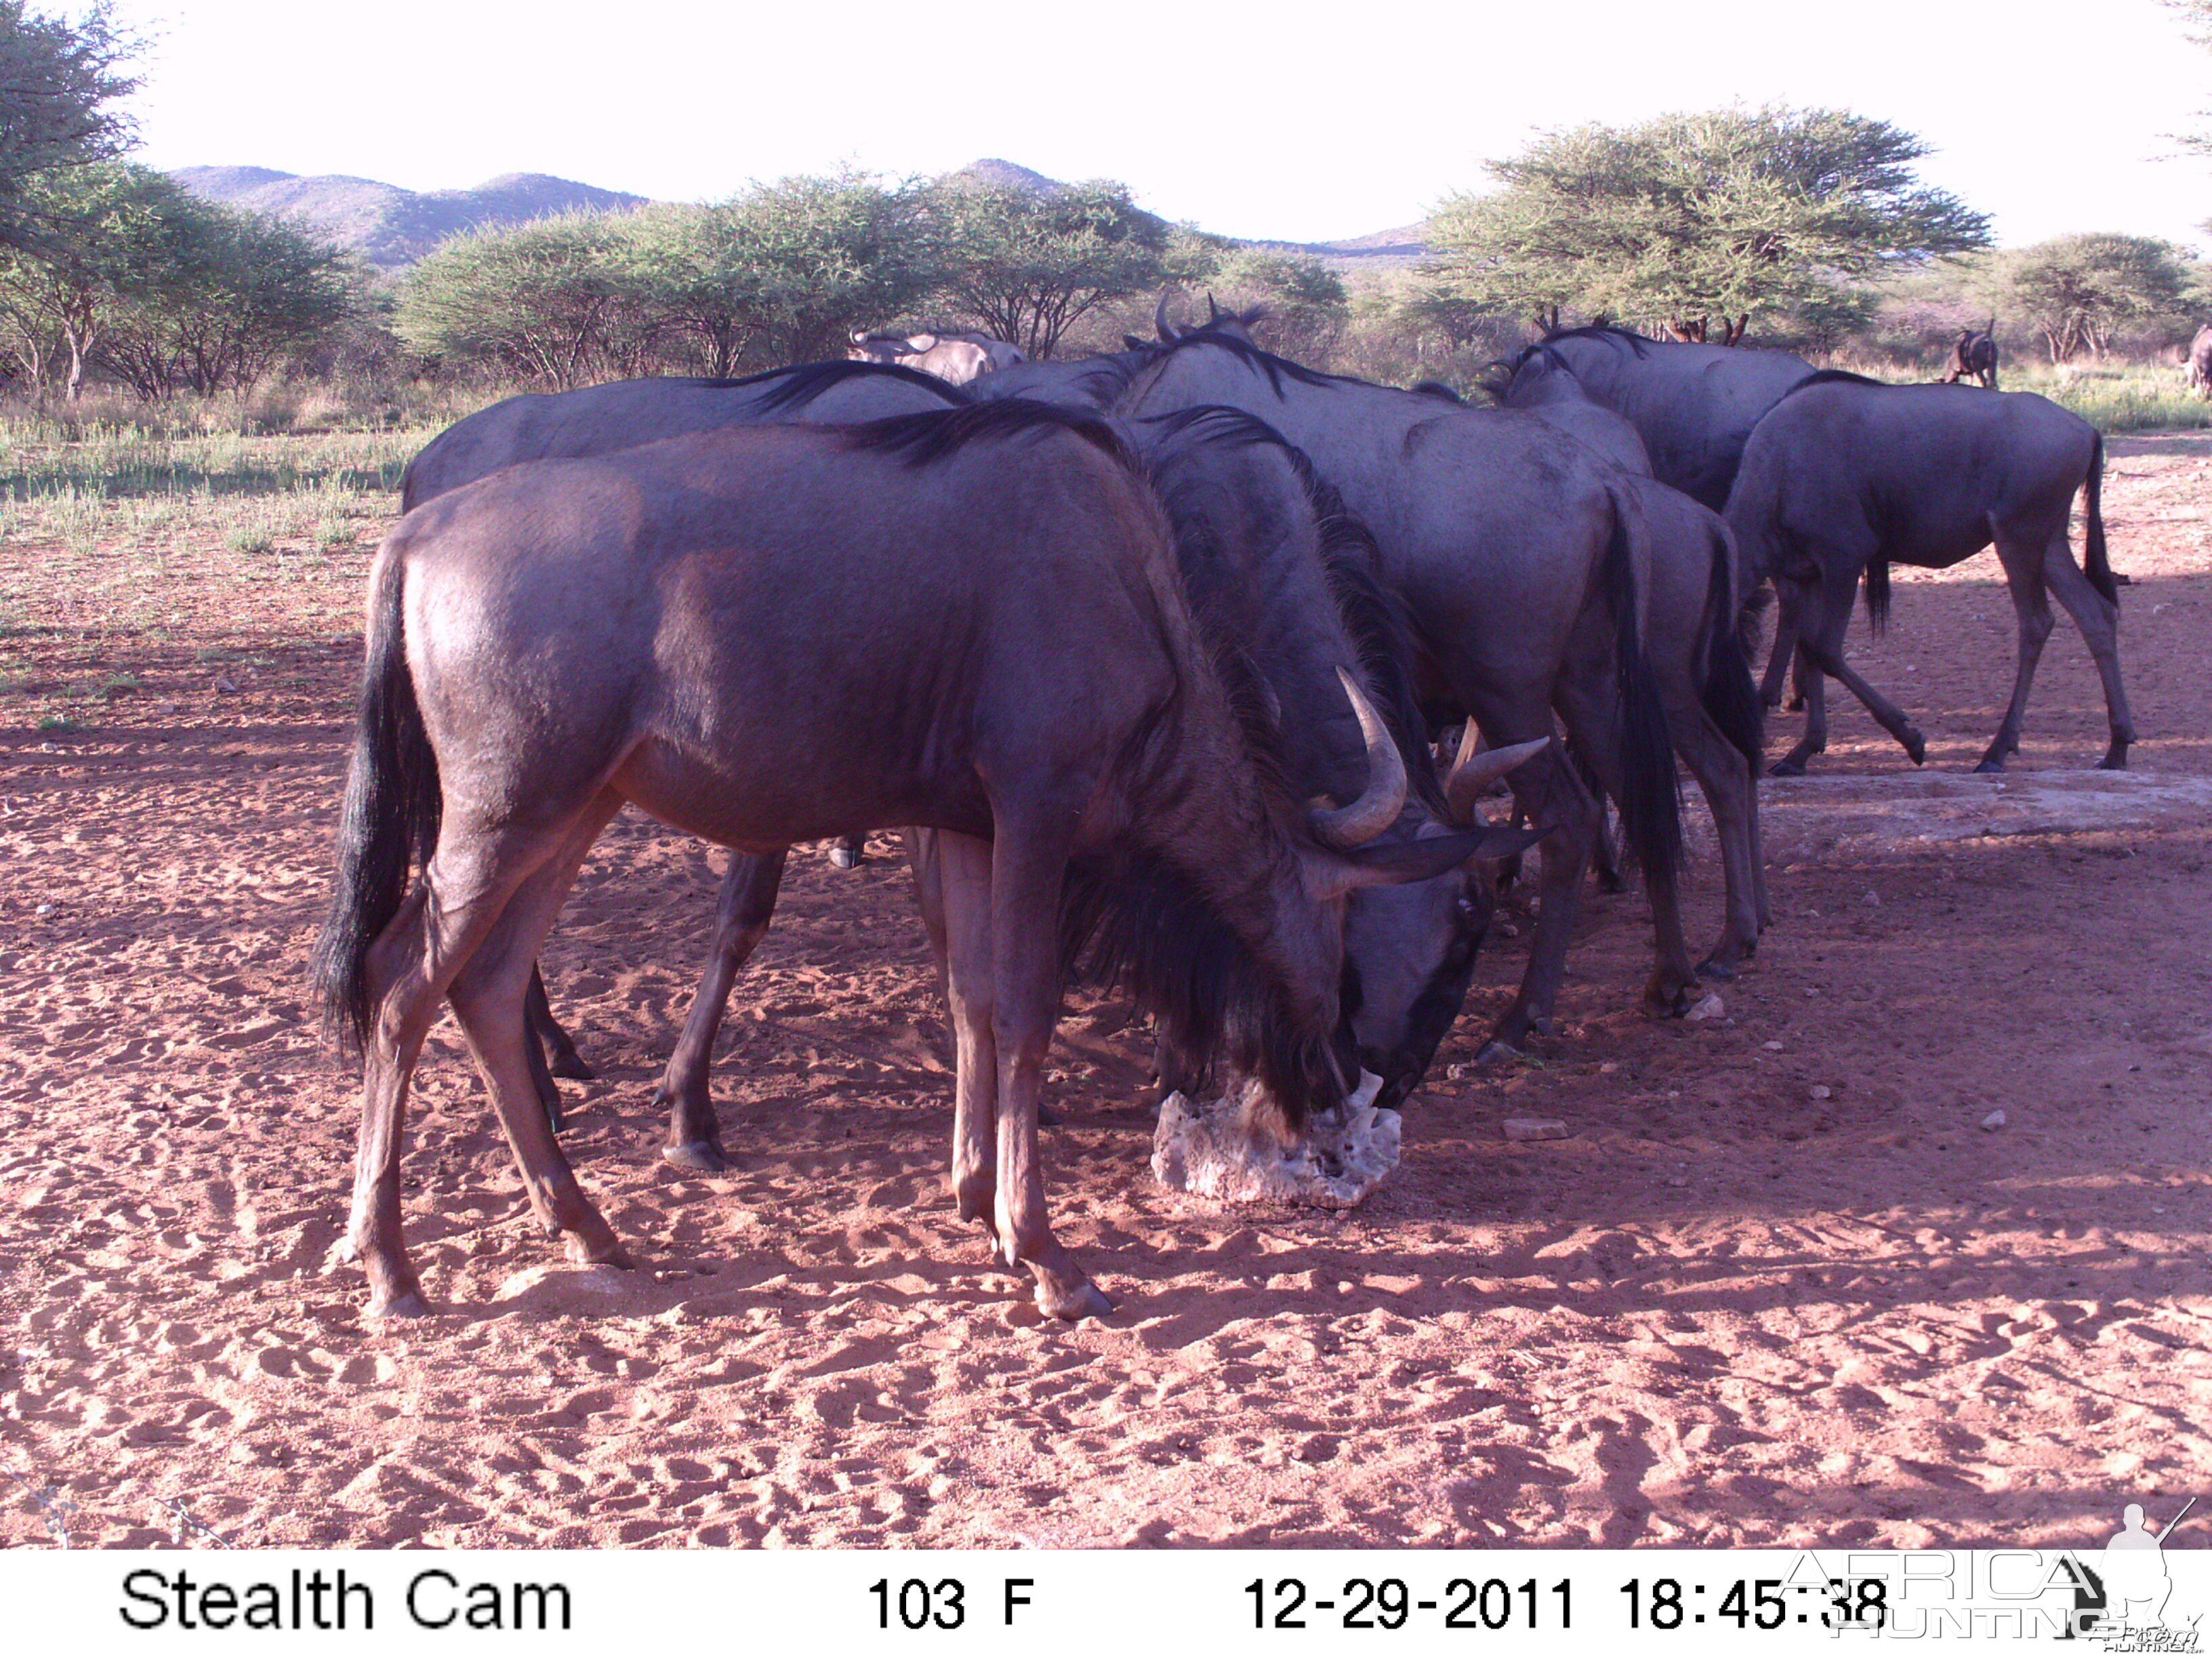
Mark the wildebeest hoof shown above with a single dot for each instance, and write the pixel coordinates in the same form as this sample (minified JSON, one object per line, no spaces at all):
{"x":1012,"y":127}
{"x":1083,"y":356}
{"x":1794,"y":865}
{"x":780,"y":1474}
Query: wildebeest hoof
{"x":1795,"y":705}
{"x":571,"y":1065}
{"x":588,"y":1252}
{"x":1710,"y":968}
{"x":407,"y":1304}
{"x":975,"y":1197}
{"x":1081,"y":1300}
{"x":1046,"y":1118}
{"x":1915,"y":745}
{"x":1788,"y":767}
{"x":1496,"y":1052}
{"x":702,"y":1155}
{"x":2116,"y":759}
{"x":1609,"y":881}
{"x":1661,"y":1002}
{"x":1991,"y":763}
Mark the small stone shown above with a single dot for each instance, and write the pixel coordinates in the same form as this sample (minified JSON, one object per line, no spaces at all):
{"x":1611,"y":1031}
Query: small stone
{"x":224,"y":683}
{"x":1822,"y":1091}
{"x":1771,"y":1046}
{"x":1995,"y":1120}
{"x":45,"y":910}
{"x":1608,"y":1068}
{"x":1534,"y":1128}
{"x":1678,"y":1180}
{"x":1870,"y":898}
{"x":1709,"y":1006}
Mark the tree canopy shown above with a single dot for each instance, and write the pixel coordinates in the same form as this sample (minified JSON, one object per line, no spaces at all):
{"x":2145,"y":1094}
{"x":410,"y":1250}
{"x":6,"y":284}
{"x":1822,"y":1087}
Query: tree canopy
{"x":1024,"y":264}
{"x":60,"y":84}
{"x":1730,"y":214}
{"x":2078,"y":290}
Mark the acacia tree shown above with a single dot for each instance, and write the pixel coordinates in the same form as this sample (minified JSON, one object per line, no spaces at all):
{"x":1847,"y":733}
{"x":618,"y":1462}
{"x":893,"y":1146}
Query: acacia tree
{"x":1729,"y":214}
{"x":2078,"y":290}
{"x":108,"y":240}
{"x":60,"y":82}
{"x":1024,"y":264}
{"x":535,"y":300}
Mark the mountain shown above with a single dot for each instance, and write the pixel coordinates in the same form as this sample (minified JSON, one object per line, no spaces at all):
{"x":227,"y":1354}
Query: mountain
{"x":387,"y":225}
{"x":391,"y":227}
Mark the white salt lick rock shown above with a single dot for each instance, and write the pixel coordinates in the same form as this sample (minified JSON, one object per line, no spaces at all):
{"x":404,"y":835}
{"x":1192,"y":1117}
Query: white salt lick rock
{"x":1226,"y":1150}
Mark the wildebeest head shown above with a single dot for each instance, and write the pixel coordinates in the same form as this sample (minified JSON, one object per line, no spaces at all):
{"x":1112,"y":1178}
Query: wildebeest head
{"x":958,"y":358}
{"x":1274,"y":564}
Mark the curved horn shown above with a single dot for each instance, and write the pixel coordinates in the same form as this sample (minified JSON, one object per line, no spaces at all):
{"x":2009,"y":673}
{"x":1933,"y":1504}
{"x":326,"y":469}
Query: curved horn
{"x":1385,"y":798}
{"x":859,"y":336}
{"x":1472,"y":773}
{"x":1165,"y":329}
{"x":1213,"y":313}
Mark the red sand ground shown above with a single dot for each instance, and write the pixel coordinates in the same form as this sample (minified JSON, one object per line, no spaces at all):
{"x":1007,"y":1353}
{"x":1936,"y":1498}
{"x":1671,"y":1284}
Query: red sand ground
{"x":1728,"y":1309}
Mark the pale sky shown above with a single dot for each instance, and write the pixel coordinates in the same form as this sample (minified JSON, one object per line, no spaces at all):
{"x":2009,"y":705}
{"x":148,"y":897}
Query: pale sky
{"x":1302,"y":122}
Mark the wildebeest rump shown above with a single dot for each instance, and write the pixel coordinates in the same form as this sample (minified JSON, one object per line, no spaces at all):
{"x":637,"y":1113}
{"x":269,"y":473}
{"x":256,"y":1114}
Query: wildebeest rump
{"x":2200,"y":362}
{"x":696,"y":627}
{"x":1847,"y":475}
{"x":1974,"y":354}
{"x":1694,"y":405}
{"x":1517,"y":558}
{"x":1693,"y":635}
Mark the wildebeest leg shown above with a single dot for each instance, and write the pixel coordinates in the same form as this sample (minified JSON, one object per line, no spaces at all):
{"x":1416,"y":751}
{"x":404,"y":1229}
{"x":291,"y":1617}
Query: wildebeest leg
{"x":1029,"y":867}
{"x":743,"y":912}
{"x":2099,"y":619}
{"x":2023,"y":569}
{"x":1586,"y":703}
{"x":848,"y":852}
{"x":963,"y":864}
{"x":487,"y":996}
{"x":1786,"y":604}
{"x":443,"y":922}
{"x":1724,"y":775}
{"x":534,"y":1003}
{"x":1548,"y":788}
{"x":1826,"y":647}
{"x":560,"y":1049}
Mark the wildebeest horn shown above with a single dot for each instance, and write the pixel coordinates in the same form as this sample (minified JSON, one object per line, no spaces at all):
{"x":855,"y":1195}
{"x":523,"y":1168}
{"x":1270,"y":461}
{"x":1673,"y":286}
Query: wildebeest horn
{"x":1385,"y":798}
{"x":859,"y":336}
{"x":1213,"y":311}
{"x":1472,"y":773}
{"x":1160,"y":323}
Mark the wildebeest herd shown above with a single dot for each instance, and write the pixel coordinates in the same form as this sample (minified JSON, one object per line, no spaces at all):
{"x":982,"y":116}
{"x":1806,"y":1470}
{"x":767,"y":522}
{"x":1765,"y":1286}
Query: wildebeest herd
{"x":1155,"y":659}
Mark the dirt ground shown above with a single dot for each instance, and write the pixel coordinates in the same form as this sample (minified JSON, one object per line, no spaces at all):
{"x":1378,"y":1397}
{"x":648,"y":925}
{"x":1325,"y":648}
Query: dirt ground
{"x":1778,"y":1287}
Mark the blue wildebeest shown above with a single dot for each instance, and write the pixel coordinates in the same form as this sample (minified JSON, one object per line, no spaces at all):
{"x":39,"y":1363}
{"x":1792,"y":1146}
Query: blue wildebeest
{"x":1518,"y":558}
{"x":1847,"y":476}
{"x":957,"y":358}
{"x":696,"y":627}
{"x":1694,"y":405}
{"x":1974,"y":353}
{"x":1693,"y":635}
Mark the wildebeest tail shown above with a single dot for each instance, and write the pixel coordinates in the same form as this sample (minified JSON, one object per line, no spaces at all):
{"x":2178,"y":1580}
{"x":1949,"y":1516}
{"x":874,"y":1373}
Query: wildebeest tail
{"x":389,"y":822}
{"x":2096,"y":564}
{"x":1651,"y":803}
{"x":1729,"y":695}
{"x":1877,"y":595}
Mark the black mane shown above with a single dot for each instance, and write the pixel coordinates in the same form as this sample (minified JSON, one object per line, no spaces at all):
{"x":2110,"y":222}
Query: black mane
{"x":922,"y":439}
{"x":800,"y":386}
{"x":1436,"y":389}
{"x":1831,"y":377}
{"x":1377,"y":621}
{"x":1613,"y":333}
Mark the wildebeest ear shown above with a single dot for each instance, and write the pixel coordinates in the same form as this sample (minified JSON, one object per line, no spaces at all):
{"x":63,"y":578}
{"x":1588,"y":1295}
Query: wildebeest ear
{"x":1391,"y":862}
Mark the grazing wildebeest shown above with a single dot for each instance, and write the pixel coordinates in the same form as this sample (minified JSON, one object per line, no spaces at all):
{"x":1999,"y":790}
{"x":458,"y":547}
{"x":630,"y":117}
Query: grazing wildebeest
{"x":1975,"y":353}
{"x":1516,"y":556}
{"x":2200,"y":362}
{"x":1693,"y":633}
{"x":1694,"y":406}
{"x":697,"y":626}
{"x":957,"y":358}
{"x":620,"y":415}
{"x":1846,"y":475}
{"x":1276,"y":570}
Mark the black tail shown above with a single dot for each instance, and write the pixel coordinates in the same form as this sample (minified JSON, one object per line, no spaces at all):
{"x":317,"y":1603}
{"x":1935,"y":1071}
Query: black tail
{"x":2095,"y":564}
{"x":1651,"y":801}
{"x":1877,"y":595}
{"x":389,"y":823}
{"x":1729,"y":694}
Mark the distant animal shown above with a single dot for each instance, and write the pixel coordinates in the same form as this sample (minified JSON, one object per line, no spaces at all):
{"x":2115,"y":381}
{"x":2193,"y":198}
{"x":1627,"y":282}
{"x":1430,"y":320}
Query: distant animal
{"x":1847,"y":476}
{"x":1693,"y":633}
{"x":1975,"y":353}
{"x":957,"y":358}
{"x":2200,"y":363}
{"x":696,"y":627}
{"x":1694,"y":405}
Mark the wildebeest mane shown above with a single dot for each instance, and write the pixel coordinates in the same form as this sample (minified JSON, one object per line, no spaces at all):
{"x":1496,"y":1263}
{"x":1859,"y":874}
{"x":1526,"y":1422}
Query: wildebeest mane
{"x":1377,"y":621}
{"x":1830,"y":377}
{"x":1436,"y":389}
{"x":1260,"y":360}
{"x":1613,"y":333}
{"x":922,"y":439}
{"x":797,"y":387}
